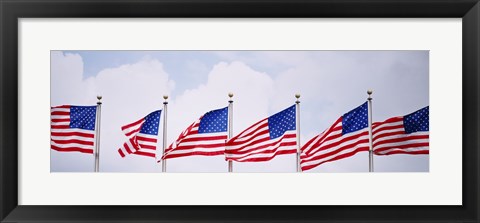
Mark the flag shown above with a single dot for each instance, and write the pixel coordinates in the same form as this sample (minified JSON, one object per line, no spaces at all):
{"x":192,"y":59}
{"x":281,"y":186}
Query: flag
{"x":73,"y":128}
{"x":142,"y":136}
{"x":346,"y":137}
{"x":407,"y":134}
{"x":265,"y":139}
{"x":205,"y":137}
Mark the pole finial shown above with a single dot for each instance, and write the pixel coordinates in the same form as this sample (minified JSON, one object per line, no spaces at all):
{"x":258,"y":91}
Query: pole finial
{"x":230,"y":95}
{"x":297,"y":95}
{"x":99,"y":97}
{"x":369,"y":92}
{"x":165,"y":97}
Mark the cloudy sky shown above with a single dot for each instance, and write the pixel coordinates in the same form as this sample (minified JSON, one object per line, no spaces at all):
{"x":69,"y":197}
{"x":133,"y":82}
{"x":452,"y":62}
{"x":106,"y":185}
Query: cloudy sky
{"x":331,"y":83}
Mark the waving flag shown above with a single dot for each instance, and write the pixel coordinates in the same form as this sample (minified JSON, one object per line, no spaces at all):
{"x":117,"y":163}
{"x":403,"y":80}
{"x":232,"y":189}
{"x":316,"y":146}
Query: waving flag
{"x":407,"y":134}
{"x":205,"y":137}
{"x":73,"y":128}
{"x":347,"y":136}
{"x":142,"y":136}
{"x":265,"y":139}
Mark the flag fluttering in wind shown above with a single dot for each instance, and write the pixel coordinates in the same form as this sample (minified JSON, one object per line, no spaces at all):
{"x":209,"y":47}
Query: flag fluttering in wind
{"x":205,"y":137}
{"x":346,"y":137}
{"x":142,"y":136}
{"x":265,"y":139}
{"x":407,"y":134}
{"x":73,"y":128}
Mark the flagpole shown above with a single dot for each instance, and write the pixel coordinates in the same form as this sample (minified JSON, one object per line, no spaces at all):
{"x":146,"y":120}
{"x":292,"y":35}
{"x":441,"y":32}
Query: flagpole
{"x":297,"y":122}
{"x":230,"y":126}
{"x":97,"y":134}
{"x":370,"y":151}
{"x":164,"y":161}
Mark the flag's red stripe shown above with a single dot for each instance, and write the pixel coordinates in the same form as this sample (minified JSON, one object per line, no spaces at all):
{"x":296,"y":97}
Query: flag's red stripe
{"x":248,"y":141}
{"x":143,"y":146}
{"x":61,"y":120}
{"x":204,"y":146}
{"x":304,"y":168}
{"x":127,"y":148}
{"x":406,"y":146}
{"x":81,"y":142}
{"x":405,"y":139}
{"x":128,"y":134}
{"x":262,"y":159}
{"x":61,"y":106}
{"x":59,"y":126}
{"x":386,"y":128}
{"x":132,"y":124}
{"x":86,"y":135}
{"x":272,"y":151}
{"x":335,"y":144}
{"x":387,"y":134}
{"x":147,"y":139}
{"x":254,"y":131}
{"x":204,"y":138}
{"x":308,"y":147}
{"x":141,"y":153}
{"x":121,"y":153}
{"x":239,"y":151}
{"x":196,"y":153}
{"x":419,"y":152}
{"x":60,"y":113}
{"x":334,"y":152}
{"x":72,"y":149}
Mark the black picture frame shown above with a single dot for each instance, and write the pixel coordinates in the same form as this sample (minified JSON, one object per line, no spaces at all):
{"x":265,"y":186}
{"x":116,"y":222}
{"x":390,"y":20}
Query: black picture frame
{"x":12,"y":10}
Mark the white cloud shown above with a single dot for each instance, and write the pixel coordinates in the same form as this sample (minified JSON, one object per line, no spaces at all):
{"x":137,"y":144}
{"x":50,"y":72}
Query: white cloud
{"x":129,"y":93}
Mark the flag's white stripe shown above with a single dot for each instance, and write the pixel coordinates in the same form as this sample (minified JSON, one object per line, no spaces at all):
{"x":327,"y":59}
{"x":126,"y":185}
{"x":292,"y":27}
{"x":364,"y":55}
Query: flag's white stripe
{"x":276,"y":144}
{"x":399,"y":136}
{"x":266,"y":137}
{"x":254,"y":136}
{"x":407,"y":142}
{"x":315,"y":148}
{"x":60,"y":110}
{"x":149,"y":151}
{"x":206,"y":142}
{"x":60,"y":123}
{"x":59,"y":117}
{"x":202,"y":135}
{"x":387,"y":124}
{"x":387,"y":131}
{"x":73,"y":130}
{"x":415,"y":149}
{"x":314,"y":162}
{"x":68,"y":145}
{"x":252,"y":128}
{"x":322,"y":137}
{"x":267,"y":155}
{"x":133,"y":129}
{"x":243,"y":147}
{"x":141,"y":142}
{"x":322,"y":151}
{"x":147,"y":135}
{"x":336,"y":133}
{"x":196,"y":149}
{"x":87,"y":139}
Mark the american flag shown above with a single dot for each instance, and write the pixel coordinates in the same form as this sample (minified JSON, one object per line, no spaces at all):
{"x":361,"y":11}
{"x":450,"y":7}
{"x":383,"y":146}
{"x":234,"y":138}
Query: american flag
{"x":265,"y":139}
{"x":347,"y":136}
{"x":407,"y":134}
{"x":73,"y":128}
{"x":142,"y":136}
{"x":205,"y":137}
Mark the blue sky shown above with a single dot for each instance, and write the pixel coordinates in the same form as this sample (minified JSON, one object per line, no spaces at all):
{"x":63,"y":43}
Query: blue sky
{"x":264,"y":82}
